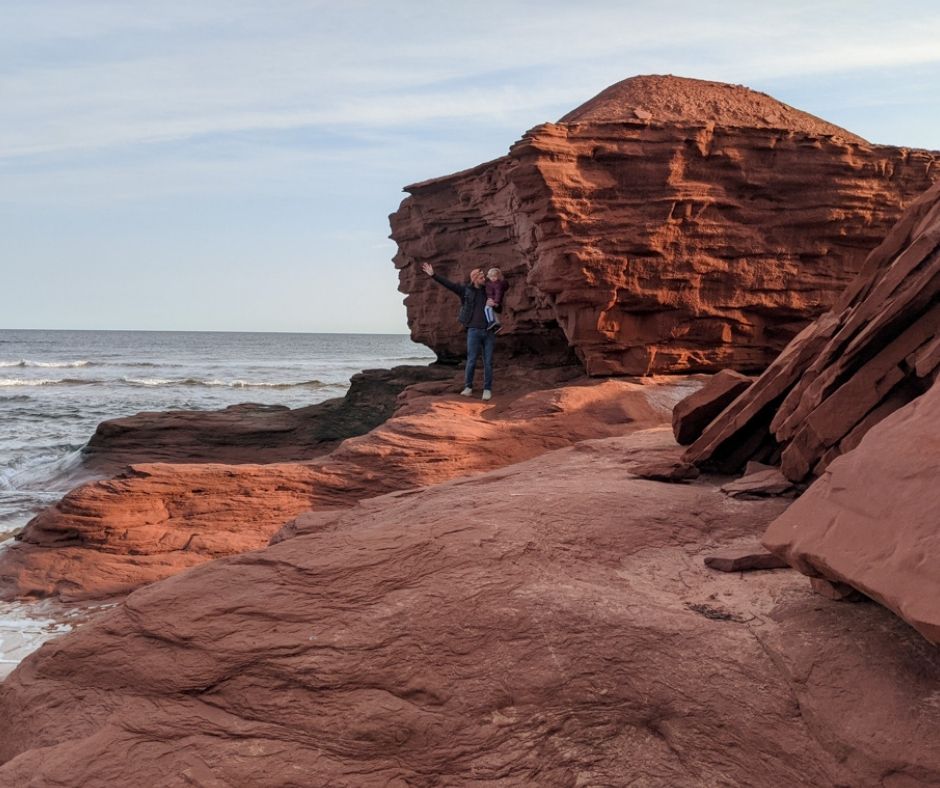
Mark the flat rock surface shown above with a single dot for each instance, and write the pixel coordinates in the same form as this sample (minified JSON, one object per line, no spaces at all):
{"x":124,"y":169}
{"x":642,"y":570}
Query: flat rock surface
{"x":700,"y":235}
{"x":549,"y":623}
{"x":111,"y":536}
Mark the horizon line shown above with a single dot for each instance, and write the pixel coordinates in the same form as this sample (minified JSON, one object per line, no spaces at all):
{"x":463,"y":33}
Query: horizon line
{"x":214,"y":331}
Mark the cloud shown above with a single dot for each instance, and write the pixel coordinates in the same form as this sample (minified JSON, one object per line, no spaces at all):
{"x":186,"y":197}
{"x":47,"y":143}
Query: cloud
{"x":209,"y":68}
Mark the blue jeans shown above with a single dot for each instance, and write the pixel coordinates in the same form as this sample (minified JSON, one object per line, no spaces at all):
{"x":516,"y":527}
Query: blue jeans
{"x":480,"y":338}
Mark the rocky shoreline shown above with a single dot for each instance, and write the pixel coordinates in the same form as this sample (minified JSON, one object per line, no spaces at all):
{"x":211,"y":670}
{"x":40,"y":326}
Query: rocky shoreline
{"x":562,"y":627}
{"x":563,"y":585}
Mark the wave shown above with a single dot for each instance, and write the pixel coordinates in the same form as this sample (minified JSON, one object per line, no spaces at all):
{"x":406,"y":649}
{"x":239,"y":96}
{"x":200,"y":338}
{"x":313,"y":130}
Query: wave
{"x":45,"y":472}
{"x":236,"y":384}
{"x":211,"y":383}
{"x":47,"y":382}
{"x":23,"y":362}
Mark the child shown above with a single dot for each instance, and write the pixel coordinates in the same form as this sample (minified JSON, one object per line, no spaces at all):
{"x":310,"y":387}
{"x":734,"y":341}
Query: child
{"x":496,"y":286}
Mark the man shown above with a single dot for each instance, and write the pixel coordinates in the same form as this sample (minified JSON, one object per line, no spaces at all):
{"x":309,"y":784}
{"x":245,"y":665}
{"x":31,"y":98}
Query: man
{"x":473,"y":318}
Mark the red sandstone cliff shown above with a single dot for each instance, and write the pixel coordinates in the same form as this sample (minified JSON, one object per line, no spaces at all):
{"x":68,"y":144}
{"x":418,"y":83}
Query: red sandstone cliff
{"x":666,"y":225}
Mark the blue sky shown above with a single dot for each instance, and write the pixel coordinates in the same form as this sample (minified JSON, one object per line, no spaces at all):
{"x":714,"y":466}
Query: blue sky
{"x":230,"y":165}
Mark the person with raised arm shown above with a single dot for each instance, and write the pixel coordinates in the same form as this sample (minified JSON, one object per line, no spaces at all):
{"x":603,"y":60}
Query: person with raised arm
{"x":472,"y":316}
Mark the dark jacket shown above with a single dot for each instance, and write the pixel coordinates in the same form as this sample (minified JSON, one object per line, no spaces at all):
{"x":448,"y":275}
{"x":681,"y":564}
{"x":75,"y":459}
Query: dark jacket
{"x":496,"y":290}
{"x":472,"y":302}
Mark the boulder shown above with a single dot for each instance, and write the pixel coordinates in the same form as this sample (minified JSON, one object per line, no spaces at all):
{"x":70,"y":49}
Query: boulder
{"x":696,"y":411}
{"x":870,"y":520}
{"x":667,"y":225}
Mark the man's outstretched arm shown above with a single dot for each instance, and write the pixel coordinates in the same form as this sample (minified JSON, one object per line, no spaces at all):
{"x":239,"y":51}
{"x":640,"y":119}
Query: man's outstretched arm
{"x":441,"y":280}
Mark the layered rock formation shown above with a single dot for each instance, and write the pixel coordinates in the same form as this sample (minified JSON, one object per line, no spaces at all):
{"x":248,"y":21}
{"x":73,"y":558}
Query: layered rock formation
{"x":551,"y":623}
{"x":111,"y":536}
{"x":666,"y":225}
{"x":877,"y":349}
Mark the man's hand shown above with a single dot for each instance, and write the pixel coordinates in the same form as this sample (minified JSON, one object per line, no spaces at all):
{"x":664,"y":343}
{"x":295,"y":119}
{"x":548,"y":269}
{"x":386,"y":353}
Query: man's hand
{"x":490,"y":302}
{"x":427,"y":268}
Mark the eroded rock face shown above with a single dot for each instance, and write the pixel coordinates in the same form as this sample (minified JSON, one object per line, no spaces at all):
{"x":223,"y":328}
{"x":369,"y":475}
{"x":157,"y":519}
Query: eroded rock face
{"x":111,"y":536}
{"x":668,"y":225}
{"x":870,"y":521}
{"x":551,"y":623}
{"x":876,"y":350}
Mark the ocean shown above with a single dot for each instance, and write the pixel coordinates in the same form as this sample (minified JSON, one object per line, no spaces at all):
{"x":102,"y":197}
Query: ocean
{"x":56,"y":386}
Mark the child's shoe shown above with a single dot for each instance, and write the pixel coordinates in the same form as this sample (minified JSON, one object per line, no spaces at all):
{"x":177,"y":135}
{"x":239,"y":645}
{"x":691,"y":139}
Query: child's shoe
{"x":467,"y":392}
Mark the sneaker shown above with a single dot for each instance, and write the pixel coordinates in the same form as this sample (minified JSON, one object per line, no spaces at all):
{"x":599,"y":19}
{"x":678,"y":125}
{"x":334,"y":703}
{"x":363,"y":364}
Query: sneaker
{"x":487,"y":394}
{"x":497,"y":328}
{"x":491,"y":326}
{"x":466,"y":392}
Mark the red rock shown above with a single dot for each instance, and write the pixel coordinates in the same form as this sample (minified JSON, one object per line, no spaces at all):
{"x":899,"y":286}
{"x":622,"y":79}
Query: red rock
{"x":696,"y":411}
{"x":701,"y":239}
{"x":876,"y":350}
{"x":109,"y":537}
{"x":552,"y":634}
{"x":665,"y":471}
{"x":744,"y":559}
{"x":870,"y":520}
{"x":768,"y":481}
{"x":253,"y":433}
{"x":837,"y":592}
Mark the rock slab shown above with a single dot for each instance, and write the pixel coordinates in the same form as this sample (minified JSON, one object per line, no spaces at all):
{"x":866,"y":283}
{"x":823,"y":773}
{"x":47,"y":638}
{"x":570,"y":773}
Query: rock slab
{"x":744,"y":560}
{"x":699,"y":409}
{"x":870,"y":521}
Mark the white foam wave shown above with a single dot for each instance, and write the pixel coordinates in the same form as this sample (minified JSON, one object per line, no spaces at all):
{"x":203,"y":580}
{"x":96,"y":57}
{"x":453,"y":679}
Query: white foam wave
{"x":31,"y":382}
{"x":41,"y":472}
{"x":23,"y":362}
{"x":238,"y":384}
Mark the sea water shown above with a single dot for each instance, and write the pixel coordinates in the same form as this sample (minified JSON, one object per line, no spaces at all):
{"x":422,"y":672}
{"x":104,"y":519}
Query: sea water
{"x":56,"y":386}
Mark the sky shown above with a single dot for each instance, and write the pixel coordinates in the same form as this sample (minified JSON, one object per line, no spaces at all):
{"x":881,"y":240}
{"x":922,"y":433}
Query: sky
{"x":229,"y":165}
